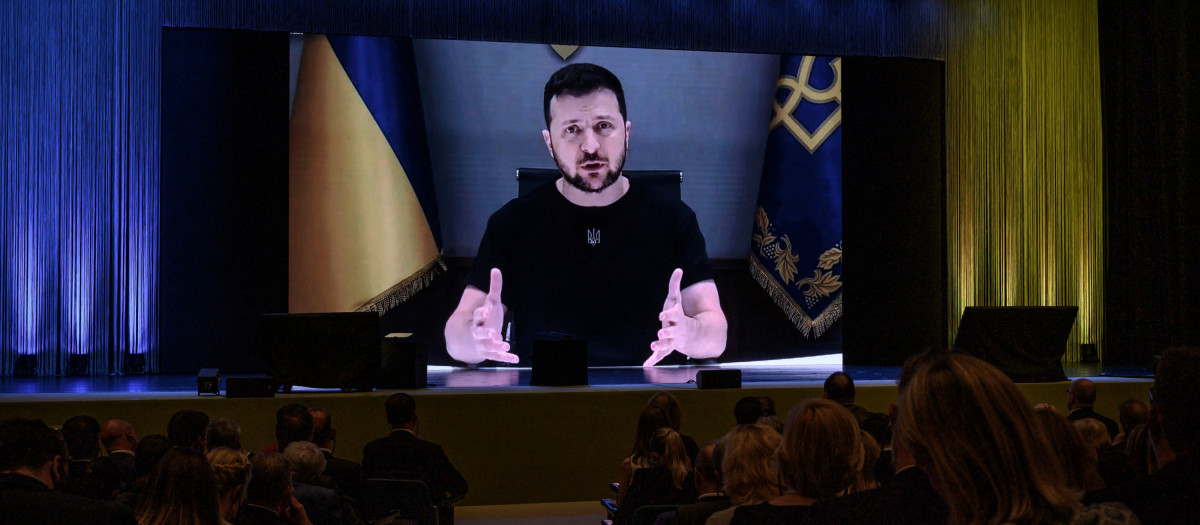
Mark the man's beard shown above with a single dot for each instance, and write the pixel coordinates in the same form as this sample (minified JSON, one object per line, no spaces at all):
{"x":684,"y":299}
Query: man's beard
{"x":578,"y":181}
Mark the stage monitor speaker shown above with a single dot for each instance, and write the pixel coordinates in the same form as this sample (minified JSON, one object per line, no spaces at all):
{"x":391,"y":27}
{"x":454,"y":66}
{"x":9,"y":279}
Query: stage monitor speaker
{"x":208,"y":381}
{"x":324,"y":350}
{"x":559,"y":362}
{"x":712,"y":379}
{"x":1025,"y":342}
{"x":404,"y":365}
{"x":261,"y":386}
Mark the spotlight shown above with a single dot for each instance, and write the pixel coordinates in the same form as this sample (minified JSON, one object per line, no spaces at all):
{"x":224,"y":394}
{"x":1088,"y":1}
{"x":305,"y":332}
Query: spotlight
{"x":26,"y":366}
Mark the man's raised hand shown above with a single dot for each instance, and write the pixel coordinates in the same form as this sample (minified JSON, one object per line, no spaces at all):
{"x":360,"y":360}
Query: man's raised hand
{"x":487,"y":323}
{"x":675,"y":330}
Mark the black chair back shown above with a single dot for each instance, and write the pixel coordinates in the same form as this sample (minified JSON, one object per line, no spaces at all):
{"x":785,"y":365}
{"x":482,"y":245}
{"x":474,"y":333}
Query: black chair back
{"x":666,"y":182}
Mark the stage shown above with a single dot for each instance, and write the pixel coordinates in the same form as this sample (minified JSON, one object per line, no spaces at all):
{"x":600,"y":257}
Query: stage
{"x":515,"y":444}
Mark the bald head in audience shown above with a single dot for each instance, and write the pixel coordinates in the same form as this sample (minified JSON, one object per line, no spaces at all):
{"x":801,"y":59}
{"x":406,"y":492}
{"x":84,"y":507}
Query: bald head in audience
{"x":118,"y":434}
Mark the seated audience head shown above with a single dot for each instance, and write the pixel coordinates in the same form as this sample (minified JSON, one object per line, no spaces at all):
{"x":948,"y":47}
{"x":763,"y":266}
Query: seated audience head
{"x":118,"y":434}
{"x":223,"y":432}
{"x":768,"y":405}
{"x":1132,"y":413}
{"x":186,"y":429}
{"x":270,"y":482}
{"x":30,"y":448}
{"x":1174,"y":420}
{"x":1077,"y":459}
{"x":401,"y":411}
{"x":871,"y":453}
{"x":82,"y":434}
{"x":820,"y":453}
{"x":307,"y":461}
{"x":747,"y":411}
{"x":1140,"y":453}
{"x":150,"y":451}
{"x":231,"y":472}
{"x":771,"y":421}
{"x":669,"y":405}
{"x":667,"y":450}
{"x":748,"y":470}
{"x":708,"y":478}
{"x":1082,"y":393}
{"x":182,"y":491}
{"x":101,"y":479}
{"x":324,"y":433}
{"x":292,"y":423}
{"x":839,"y":388}
{"x":1094,"y":434}
{"x":969,"y":427}
{"x":1046,"y":407}
{"x":649,"y":421}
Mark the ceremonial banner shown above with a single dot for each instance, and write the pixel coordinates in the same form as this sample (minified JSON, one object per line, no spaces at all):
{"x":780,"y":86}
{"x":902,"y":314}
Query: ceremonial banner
{"x":363,"y":225}
{"x":796,"y":252}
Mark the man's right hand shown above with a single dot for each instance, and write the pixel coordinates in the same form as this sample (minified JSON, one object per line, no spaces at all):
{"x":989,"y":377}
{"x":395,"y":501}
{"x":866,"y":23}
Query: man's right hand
{"x":487,"y":324}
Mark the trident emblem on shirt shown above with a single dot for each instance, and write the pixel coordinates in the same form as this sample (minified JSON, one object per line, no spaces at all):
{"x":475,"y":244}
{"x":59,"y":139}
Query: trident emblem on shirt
{"x":593,"y":236}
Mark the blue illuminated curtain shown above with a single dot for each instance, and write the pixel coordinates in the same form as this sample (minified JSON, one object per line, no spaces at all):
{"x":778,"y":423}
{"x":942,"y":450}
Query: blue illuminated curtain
{"x":796,"y":251}
{"x":79,"y":173}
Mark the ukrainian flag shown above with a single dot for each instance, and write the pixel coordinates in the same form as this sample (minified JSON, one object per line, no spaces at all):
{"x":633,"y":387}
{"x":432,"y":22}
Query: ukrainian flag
{"x":796,"y":250}
{"x":363,"y":227}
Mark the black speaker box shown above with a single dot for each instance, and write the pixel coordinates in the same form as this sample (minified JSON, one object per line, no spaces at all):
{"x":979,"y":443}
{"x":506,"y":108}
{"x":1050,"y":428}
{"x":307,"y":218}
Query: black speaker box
{"x":208,"y":381}
{"x":250,"y":387}
{"x":404,"y":364}
{"x":710,"y":379}
{"x":559,"y":362}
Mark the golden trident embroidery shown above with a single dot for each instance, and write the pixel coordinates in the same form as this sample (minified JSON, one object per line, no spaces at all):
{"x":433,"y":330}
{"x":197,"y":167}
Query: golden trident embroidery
{"x":800,"y":91}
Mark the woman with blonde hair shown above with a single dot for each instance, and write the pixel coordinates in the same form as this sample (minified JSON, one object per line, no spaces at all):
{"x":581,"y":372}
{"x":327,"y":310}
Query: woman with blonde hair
{"x":650,"y":419}
{"x":820,"y":456}
{"x":182,"y":491}
{"x":667,"y":481}
{"x":231,"y":470}
{"x":748,"y":468}
{"x":976,"y":435}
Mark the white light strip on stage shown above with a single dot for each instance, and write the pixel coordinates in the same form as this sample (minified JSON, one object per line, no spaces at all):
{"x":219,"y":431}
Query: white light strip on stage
{"x":816,"y":360}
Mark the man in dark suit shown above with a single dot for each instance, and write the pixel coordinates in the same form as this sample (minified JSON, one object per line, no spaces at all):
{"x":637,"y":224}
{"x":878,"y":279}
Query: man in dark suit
{"x":402,"y":455}
{"x":120,"y":440}
{"x":839,"y":387}
{"x":1171,"y":495}
{"x":347,"y":475}
{"x":1081,"y":396}
{"x":82,"y":434}
{"x":33,"y":464}
{"x":708,"y":485}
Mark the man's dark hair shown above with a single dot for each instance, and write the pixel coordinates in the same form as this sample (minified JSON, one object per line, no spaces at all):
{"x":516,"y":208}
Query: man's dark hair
{"x":292,"y":423}
{"x":400,"y":409}
{"x":223,"y":432}
{"x":186,"y":428}
{"x":321,"y":433}
{"x":29,"y":443}
{"x":839,"y":387}
{"x":272,"y":475}
{"x":581,"y":79}
{"x":1084,"y":391}
{"x":1132,"y":412}
{"x":149,"y":451}
{"x":747,"y":410}
{"x":82,"y":434}
{"x":1176,"y":396}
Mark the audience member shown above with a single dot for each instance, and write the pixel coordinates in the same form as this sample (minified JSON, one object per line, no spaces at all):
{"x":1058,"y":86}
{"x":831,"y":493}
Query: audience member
{"x":768,"y":405}
{"x":839,"y":387}
{"x":82,"y":434}
{"x":668,"y":481}
{"x":670,"y":405}
{"x":1077,"y":458}
{"x":231,"y":473}
{"x":747,"y":411}
{"x":976,"y":434}
{"x":347,"y":475}
{"x":402,"y":455}
{"x":120,"y":440}
{"x":223,"y":432}
{"x":1140,"y":453}
{"x":871,"y":453}
{"x":820,"y":456}
{"x":320,"y":503}
{"x":186,"y":429}
{"x":748,"y":468}
{"x":101,"y":480}
{"x":1172,"y":494}
{"x":33,"y":465}
{"x":182,"y":491}
{"x":650,"y":419}
{"x":149,"y":451}
{"x":293,"y":422}
{"x":1081,"y":397}
{"x":1111,"y":463}
{"x":269,"y":499}
{"x":1047,"y":407}
{"x":771,"y":421}
{"x":1131,"y":412}
{"x":707,"y":476}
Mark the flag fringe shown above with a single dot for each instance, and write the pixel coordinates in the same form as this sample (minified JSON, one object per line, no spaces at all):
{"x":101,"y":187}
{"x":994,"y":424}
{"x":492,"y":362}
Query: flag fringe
{"x":404,"y":290}
{"x":807,"y":326}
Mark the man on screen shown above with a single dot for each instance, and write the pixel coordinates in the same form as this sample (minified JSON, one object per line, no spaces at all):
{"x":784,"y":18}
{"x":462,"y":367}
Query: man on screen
{"x":588,"y":255}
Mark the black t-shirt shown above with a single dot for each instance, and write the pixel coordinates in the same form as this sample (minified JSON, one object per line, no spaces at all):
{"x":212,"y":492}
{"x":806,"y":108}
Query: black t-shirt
{"x":594,"y":273}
